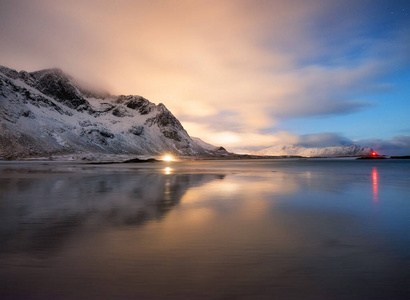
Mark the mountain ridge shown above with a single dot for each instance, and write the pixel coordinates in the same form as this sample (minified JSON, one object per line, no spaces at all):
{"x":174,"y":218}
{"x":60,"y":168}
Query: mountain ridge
{"x":332,"y":151}
{"x":47,"y":112}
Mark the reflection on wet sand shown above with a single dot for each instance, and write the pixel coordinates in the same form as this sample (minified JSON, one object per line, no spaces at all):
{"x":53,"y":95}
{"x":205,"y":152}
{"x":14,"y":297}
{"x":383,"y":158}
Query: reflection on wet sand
{"x":40,"y":214}
{"x":375,"y":178}
{"x":249,"y":230}
{"x":167,"y":170}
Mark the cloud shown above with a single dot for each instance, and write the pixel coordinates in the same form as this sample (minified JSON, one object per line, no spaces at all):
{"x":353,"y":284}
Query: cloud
{"x":227,"y":69}
{"x":237,"y":142}
{"x":399,"y":145}
{"x":322,"y":140}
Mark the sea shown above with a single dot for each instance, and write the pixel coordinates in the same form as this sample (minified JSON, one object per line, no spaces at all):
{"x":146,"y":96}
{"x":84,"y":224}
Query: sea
{"x":205,"y":229}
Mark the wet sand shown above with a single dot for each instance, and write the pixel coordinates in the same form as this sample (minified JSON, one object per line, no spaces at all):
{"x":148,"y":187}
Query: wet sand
{"x":266,"y":229}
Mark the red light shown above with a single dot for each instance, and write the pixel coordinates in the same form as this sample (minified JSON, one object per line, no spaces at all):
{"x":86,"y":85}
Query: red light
{"x":374,"y":153}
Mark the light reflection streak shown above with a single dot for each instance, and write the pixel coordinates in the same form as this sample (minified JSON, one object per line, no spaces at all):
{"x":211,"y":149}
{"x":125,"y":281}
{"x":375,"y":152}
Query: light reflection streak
{"x":375,"y":184}
{"x":235,"y":186}
{"x":168,"y":171}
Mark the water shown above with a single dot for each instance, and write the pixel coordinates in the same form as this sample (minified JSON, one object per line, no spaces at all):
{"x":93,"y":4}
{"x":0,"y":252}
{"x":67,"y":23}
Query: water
{"x":264,"y":229}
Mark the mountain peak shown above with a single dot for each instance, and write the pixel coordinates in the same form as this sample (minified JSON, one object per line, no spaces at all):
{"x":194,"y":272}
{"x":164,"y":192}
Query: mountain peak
{"x":46,"y":113}
{"x":55,"y":71}
{"x":9,"y":72}
{"x":55,"y":83}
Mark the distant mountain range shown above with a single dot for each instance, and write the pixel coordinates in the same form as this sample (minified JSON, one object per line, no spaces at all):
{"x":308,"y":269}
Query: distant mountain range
{"x":48,"y":113}
{"x":335,"y":151}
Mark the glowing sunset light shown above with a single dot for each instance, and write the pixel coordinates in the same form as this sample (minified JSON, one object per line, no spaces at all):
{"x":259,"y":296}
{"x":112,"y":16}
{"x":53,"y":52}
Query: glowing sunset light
{"x":168,"y":158}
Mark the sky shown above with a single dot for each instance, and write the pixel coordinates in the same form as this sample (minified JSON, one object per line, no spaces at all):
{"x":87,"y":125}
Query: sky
{"x":244,"y":74}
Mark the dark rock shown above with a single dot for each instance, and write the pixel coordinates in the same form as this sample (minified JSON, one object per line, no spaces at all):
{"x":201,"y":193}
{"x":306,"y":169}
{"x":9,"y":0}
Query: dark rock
{"x":136,"y":103}
{"x":56,"y":84}
{"x":172,"y":135}
{"x":136,"y":130}
{"x":40,"y":101}
{"x":85,"y":123}
{"x":121,"y":112}
{"x":9,"y":72}
{"x":103,"y":133}
{"x":105,"y":107}
{"x":28,"y":114}
{"x":137,"y":160}
{"x":142,"y":105}
{"x":164,"y":119}
{"x":106,"y":134}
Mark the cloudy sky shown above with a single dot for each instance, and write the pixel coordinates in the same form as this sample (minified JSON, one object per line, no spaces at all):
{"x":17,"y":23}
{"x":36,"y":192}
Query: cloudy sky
{"x":238,"y":73}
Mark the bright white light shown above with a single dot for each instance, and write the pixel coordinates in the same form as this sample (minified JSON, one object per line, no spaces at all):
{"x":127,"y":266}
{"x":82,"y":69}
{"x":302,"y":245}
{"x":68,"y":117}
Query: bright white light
{"x":167,"y":158}
{"x":167,"y":170}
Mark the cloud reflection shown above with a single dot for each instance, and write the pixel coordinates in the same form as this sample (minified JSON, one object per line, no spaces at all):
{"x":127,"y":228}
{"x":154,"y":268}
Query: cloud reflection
{"x":40,"y":214}
{"x":130,"y":233}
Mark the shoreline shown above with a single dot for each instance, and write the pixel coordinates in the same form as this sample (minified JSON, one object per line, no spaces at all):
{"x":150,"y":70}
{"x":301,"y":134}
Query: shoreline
{"x":117,"y":159}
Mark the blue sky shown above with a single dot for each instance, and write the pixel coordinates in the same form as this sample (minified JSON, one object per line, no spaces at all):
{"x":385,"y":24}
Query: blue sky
{"x":243,"y":74}
{"x":384,"y":25}
{"x":387,"y":113}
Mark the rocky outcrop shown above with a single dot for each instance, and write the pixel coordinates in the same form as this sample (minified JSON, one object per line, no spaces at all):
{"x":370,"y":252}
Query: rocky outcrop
{"x":59,"y":86}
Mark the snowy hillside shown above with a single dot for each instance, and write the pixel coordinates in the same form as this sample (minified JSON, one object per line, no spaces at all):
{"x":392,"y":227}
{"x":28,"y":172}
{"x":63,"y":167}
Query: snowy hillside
{"x":47,"y":113}
{"x":336,"y":151}
{"x":210,"y":147}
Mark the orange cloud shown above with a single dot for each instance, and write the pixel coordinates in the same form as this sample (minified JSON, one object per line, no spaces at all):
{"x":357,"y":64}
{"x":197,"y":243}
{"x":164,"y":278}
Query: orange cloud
{"x":199,"y":58}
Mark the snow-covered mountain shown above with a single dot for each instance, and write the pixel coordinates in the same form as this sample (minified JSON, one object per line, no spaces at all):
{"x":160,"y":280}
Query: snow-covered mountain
{"x":48,"y":113}
{"x":335,"y":151}
{"x":210,"y":147}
